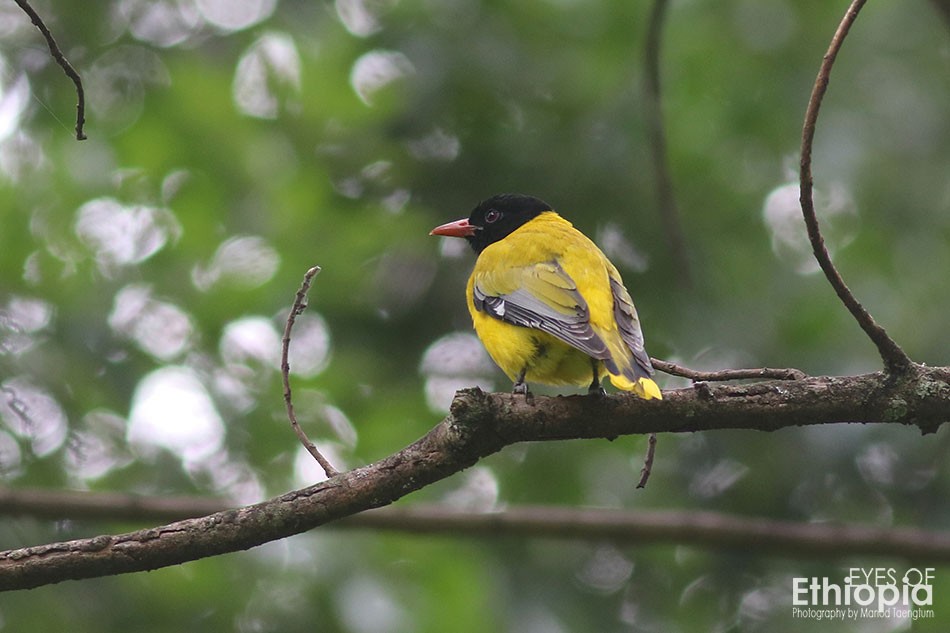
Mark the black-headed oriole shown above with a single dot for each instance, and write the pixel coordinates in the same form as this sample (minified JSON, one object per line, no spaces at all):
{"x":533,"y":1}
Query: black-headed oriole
{"x":547,"y":303}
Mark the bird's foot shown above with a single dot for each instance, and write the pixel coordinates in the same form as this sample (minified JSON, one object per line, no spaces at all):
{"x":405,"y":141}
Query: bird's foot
{"x":521,"y":387}
{"x":596,"y":391}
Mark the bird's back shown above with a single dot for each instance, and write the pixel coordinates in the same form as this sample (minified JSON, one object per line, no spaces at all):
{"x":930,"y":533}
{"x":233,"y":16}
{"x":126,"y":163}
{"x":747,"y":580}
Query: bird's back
{"x":550,"y":243}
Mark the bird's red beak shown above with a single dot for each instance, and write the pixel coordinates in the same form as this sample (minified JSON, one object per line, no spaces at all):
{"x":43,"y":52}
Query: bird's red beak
{"x":459,"y":228}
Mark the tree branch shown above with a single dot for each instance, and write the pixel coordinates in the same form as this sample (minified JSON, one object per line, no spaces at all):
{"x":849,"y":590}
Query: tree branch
{"x":63,"y":63}
{"x":707,"y":529}
{"x":895,"y":359}
{"x":704,"y":529}
{"x":666,"y":200}
{"x":57,"y":505}
{"x":478,"y":425}
{"x":943,"y":8}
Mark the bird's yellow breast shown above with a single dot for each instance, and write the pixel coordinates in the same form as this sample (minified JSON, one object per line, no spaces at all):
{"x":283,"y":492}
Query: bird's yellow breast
{"x":546,"y":359}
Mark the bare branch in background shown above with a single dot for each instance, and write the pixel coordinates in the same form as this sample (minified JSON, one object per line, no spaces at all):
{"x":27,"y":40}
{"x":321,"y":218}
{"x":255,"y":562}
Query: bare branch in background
{"x":704,"y":529}
{"x":895,"y":359}
{"x":640,"y":527}
{"x":63,"y":63}
{"x":479,"y":425}
{"x":943,"y":8}
{"x":666,"y":200}
{"x":300,"y":304}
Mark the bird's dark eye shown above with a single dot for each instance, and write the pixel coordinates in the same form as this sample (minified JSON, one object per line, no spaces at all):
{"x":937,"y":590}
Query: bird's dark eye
{"x":493,"y":215}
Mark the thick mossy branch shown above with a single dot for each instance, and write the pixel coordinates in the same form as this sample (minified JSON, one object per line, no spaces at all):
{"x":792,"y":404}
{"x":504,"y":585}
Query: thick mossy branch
{"x":481,"y":424}
{"x":920,"y":398}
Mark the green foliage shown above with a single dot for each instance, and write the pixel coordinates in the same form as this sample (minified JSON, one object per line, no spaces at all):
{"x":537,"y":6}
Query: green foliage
{"x":223,"y":162}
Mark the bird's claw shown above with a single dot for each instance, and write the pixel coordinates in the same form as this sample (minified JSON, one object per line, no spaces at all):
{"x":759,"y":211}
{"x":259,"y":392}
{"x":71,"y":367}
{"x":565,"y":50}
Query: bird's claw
{"x":521,"y":388}
{"x":597,"y":391}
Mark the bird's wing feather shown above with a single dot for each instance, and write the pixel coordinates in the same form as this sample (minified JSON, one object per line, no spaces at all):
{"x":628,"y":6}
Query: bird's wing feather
{"x":629,"y":325}
{"x":540,"y":296}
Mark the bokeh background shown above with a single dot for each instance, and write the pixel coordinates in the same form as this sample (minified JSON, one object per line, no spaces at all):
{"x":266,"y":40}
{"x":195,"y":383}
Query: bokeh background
{"x":145,"y":275}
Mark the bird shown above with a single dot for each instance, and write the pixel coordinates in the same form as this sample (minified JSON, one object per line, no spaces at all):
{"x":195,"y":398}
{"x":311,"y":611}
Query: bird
{"x":546,"y":303}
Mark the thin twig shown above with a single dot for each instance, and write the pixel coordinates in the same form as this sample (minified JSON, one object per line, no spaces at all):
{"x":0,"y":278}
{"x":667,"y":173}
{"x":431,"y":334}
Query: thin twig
{"x":666,"y":200}
{"x":648,"y":461}
{"x":300,"y":304}
{"x":895,"y":359}
{"x":63,"y":63}
{"x":728,"y":374}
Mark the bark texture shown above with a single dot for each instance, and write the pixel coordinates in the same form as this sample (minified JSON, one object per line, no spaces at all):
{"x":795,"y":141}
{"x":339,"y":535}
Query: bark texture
{"x":478,"y":425}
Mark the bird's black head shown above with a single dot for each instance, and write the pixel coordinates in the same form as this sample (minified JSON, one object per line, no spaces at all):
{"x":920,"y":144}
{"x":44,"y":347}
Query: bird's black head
{"x":494,"y":219}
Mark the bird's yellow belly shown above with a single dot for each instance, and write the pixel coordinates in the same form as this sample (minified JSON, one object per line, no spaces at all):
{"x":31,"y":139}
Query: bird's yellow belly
{"x":547,"y":360}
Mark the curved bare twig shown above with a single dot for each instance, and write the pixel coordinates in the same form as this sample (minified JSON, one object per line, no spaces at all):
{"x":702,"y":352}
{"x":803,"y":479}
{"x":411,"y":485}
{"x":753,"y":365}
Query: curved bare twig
{"x":63,"y":63}
{"x":300,"y":304}
{"x":895,"y":359}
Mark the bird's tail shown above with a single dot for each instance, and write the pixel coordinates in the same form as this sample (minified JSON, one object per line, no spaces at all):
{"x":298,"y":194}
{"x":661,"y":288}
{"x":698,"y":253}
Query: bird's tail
{"x":643,"y":387}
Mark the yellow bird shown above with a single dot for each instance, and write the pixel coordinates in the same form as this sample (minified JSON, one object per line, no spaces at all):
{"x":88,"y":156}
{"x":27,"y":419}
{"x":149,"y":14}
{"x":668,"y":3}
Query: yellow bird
{"x":547,"y":303}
